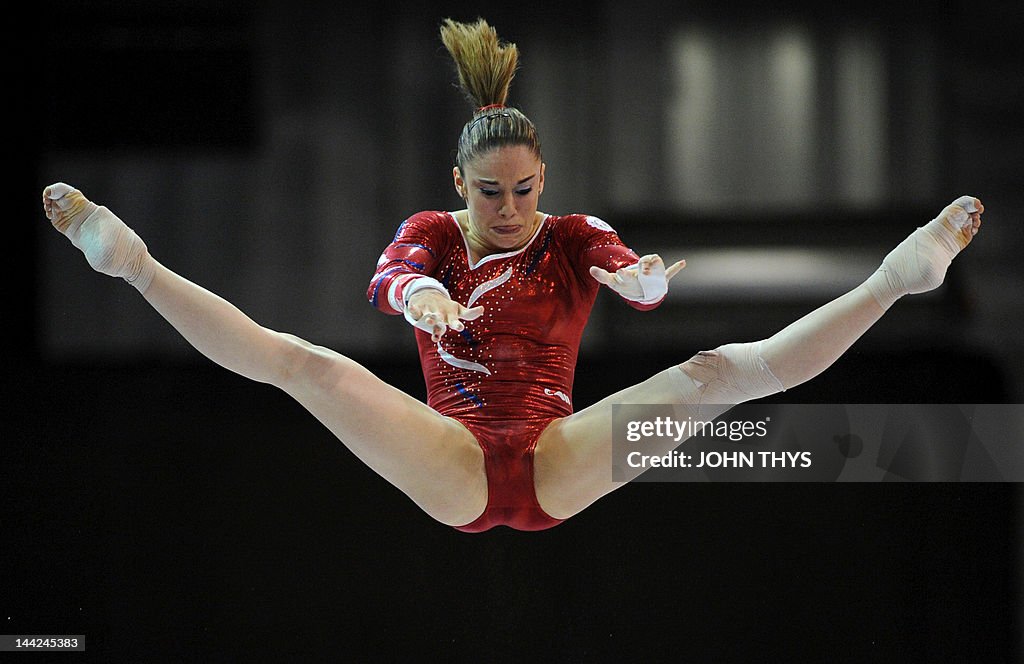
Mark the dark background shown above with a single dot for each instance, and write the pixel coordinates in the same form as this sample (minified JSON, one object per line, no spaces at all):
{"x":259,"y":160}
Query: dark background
{"x":169,"y":510}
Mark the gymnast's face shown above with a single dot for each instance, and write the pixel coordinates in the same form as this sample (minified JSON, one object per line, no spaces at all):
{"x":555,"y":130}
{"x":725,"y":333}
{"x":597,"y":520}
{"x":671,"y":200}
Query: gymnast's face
{"x":501,"y":188}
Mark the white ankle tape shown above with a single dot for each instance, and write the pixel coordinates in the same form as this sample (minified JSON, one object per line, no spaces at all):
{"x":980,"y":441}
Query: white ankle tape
{"x":112,"y":248}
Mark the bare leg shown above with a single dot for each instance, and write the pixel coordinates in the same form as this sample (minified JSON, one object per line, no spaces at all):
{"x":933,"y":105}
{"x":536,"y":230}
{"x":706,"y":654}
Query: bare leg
{"x":810,"y":345}
{"x":572,"y":465}
{"x":432,"y":459}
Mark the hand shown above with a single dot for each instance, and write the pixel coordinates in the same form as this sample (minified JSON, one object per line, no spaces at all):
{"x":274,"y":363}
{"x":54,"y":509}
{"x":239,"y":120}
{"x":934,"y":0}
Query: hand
{"x":433,"y":311}
{"x":646,"y":282}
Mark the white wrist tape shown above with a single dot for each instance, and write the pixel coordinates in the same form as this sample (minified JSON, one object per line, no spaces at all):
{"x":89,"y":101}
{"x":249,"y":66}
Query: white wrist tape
{"x":653,"y":285}
{"x":412,"y":287}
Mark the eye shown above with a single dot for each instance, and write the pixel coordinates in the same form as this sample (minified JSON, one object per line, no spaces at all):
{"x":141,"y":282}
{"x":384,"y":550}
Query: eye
{"x":488,"y":192}
{"x":524,"y":192}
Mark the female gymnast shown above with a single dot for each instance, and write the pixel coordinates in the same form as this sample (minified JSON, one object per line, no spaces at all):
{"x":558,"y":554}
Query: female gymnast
{"x":499,"y":293}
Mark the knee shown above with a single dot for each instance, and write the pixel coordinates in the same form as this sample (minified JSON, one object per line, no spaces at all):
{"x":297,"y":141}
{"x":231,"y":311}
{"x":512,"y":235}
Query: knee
{"x":305,"y":365}
{"x":731,"y":374}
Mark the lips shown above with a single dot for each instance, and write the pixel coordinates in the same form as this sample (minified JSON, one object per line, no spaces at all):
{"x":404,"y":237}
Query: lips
{"x":506,"y":230}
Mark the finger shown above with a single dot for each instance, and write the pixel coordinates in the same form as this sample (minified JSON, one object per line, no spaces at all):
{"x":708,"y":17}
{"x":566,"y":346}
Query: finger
{"x":471,"y":314}
{"x":674,"y":269}
{"x":415,"y":311}
{"x":649,"y":262}
{"x":602,"y":275}
{"x":452,"y":321}
{"x":624,"y":274}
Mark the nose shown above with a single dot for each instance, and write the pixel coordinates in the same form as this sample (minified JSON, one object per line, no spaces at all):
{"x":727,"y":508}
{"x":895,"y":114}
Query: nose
{"x":508,"y":207}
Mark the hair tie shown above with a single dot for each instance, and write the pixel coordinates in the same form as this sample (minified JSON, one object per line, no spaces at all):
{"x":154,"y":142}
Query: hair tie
{"x":488,"y":107}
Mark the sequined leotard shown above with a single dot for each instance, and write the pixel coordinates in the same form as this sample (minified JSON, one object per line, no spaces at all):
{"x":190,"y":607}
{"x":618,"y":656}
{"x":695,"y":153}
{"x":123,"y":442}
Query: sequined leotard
{"x":509,"y":373}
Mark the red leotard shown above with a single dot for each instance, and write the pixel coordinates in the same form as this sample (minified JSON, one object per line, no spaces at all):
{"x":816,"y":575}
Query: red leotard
{"x":509,"y":373}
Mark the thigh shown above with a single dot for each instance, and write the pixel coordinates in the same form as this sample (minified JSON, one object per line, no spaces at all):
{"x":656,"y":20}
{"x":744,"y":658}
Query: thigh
{"x":433,"y":459}
{"x":573,"y":458}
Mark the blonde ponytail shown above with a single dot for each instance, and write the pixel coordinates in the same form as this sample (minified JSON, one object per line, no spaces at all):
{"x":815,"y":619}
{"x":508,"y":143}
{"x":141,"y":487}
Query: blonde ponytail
{"x":485,"y":66}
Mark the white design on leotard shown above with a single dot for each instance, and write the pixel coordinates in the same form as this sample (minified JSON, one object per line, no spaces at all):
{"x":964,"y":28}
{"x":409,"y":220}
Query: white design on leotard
{"x":557,"y":393}
{"x":478,"y":292}
{"x":483,"y":288}
{"x":599,"y":224}
{"x":462,"y":364}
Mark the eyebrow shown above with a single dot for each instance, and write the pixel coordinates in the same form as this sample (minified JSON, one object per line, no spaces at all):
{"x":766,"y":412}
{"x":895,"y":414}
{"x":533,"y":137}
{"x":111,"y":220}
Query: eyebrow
{"x":523,"y":181}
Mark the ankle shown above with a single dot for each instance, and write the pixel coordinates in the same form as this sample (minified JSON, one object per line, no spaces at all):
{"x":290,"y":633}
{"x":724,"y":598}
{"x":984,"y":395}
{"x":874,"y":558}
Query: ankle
{"x":140,"y":271}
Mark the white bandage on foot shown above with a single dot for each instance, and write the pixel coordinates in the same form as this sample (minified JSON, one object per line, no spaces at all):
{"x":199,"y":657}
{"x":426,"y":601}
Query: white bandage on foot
{"x":726,"y":376}
{"x":109,"y":245}
{"x":919,"y":263}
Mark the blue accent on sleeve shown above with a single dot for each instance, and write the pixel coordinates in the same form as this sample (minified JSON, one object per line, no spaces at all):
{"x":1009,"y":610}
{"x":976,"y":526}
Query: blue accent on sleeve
{"x":418,"y":246}
{"x":379,"y":279}
{"x":401,"y":227}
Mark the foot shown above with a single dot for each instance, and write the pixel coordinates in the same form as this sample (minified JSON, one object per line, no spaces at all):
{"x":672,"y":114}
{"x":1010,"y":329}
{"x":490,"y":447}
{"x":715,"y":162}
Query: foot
{"x":919,"y":263}
{"x":109,"y":245}
{"x":65,"y":205}
{"x":957,"y":225}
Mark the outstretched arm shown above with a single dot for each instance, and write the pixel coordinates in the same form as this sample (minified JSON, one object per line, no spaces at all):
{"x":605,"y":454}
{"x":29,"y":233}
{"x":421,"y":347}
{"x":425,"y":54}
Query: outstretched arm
{"x":402,"y":283}
{"x":645,"y":282}
{"x":641,"y":281}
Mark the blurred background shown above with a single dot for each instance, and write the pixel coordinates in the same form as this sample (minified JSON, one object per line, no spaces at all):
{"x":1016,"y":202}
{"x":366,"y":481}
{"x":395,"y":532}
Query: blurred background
{"x":269,"y":150}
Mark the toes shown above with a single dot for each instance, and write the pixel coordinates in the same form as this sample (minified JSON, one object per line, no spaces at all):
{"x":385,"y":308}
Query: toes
{"x":62,"y":203}
{"x":57,"y":191}
{"x":963,"y":213}
{"x":52,"y":194}
{"x":969,"y":204}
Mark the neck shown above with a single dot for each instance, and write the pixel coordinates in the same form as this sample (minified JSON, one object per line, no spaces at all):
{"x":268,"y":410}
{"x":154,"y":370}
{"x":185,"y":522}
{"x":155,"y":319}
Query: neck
{"x":478,"y":248}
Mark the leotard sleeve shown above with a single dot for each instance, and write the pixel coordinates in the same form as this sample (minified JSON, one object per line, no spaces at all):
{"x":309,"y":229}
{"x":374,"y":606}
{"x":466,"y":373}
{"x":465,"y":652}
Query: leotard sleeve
{"x":595,"y":243}
{"x":413,"y":254}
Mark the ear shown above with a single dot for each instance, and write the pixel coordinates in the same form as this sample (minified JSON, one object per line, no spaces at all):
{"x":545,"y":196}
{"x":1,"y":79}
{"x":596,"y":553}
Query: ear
{"x":540,"y":181}
{"x":460,"y":184}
